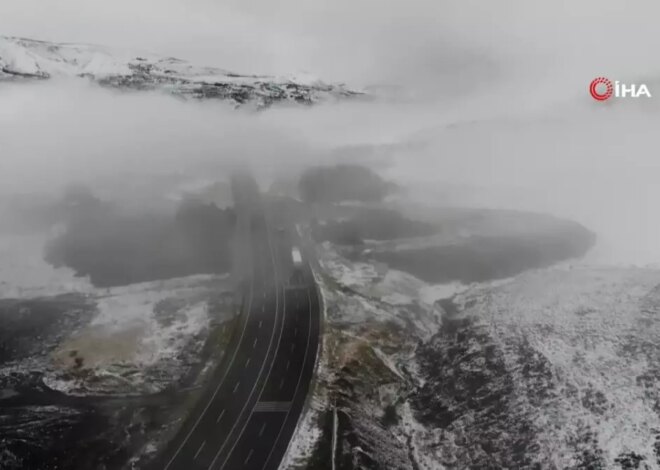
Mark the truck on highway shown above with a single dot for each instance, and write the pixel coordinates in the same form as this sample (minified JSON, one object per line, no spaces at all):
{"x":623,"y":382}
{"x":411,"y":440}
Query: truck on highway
{"x":296,"y":257}
{"x":297,"y":277}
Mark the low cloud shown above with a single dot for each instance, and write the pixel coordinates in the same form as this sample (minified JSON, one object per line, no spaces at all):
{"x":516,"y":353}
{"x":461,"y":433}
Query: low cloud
{"x":495,"y":109}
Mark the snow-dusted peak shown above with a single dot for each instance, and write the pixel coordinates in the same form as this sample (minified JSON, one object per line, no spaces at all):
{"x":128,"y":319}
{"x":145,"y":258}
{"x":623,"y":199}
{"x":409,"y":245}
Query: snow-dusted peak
{"x":28,"y":57}
{"x":31,"y":59}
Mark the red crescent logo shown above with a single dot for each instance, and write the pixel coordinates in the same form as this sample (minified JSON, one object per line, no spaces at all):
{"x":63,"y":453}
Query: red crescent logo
{"x":609,"y":89}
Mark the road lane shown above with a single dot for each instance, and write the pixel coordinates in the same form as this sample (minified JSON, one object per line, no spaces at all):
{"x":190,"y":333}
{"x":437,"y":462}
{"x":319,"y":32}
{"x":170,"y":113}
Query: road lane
{"x":285,"y":387}
{"x":234,"y":381}
{"x":248,"y":413}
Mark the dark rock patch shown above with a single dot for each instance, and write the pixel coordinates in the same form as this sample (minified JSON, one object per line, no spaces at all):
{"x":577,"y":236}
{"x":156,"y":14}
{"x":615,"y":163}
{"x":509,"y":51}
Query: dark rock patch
{"x":483,"y":258}
{"x":371,"y":224}
{"x":114,"y":249}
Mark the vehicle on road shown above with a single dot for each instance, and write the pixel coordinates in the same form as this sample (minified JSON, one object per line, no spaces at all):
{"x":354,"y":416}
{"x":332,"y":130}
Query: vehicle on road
{"x":296,"y":257}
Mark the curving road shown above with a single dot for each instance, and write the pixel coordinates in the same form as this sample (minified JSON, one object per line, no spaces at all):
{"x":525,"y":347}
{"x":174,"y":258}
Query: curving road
{"x":249,"y":411}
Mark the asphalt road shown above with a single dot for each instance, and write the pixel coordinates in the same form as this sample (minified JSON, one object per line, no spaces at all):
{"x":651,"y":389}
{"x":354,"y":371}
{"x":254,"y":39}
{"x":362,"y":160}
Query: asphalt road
{"x":247,"y":415}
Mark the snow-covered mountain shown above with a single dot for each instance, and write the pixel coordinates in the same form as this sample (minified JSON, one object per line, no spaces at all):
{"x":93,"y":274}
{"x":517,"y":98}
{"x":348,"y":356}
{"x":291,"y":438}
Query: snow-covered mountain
{"x":556,"y":368}
{"x":31,"y":59}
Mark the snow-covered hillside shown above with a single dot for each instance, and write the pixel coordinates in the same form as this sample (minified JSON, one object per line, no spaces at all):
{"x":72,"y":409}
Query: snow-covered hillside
{"x":66,"y":346}
{"x":555,"y":368}
{"x":30,"y":59}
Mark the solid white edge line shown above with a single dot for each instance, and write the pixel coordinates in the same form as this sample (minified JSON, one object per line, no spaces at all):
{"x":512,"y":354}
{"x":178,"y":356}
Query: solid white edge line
{"x":318,"y":356}
{"x":302,"y":370}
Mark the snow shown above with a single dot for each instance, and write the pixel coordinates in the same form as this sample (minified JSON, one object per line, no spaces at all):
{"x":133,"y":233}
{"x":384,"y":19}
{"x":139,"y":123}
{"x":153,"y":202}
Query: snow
{"x":579,"y":344}
{"x":387,"y":361}
{"x":305,"y":438}
{"x":139,"y":331}
{"x":397,"y":299}
{"x":389,"y":285}
{"x":135,"y":334}
{"x":304,"y":78}
{"x":133,"y":308}
{"x":307,"y":432}
{"x":347,"y":273}
{"x":598,"y":331}
{"x":101,"y":65}
{"x":40,"y":58}
{"x":19,"y":59}
{"x":412,"y":428}
{"x":126,"y":69}
{"x":430,"y":294}
{"x":25,"y":274}
{"x":384,"y":295}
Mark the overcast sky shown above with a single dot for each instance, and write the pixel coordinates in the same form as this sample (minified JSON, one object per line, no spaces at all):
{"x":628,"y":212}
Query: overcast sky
{"x":436,"y":43}
{"x":501,"y":91}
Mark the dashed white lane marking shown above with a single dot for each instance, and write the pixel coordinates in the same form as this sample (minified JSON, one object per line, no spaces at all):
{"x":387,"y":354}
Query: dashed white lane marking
{"x":263,"y":308}
{"x":222,"y":381}
{"x":263,"y":428}
{"x":235,"y":387}
{"x":309,"y":334}
{"x":277,"y":302}
{"x":222,"y":413}
{"x":272,"y":406}
{"x":199,"y":450}
{"x":260,"y":322}
{"x":254,"y":345}
{"x":281,"y":383}
{"x":288,"y":363}
{"x":247,"y":459}
{"x":247,"y":362}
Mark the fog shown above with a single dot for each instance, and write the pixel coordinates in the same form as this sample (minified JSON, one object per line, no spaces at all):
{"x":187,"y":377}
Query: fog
{"x":495,"y":111}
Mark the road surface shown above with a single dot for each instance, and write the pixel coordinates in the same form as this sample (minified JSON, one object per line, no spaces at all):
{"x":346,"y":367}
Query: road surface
{"x":248,"y":413}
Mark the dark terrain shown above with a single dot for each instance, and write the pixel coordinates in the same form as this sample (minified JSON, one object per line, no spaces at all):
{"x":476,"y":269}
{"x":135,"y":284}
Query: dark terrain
{"x":116,"y":249}
{"x":331,"y":184}
{"x":370,"y":224}
{"x":483,"y":258}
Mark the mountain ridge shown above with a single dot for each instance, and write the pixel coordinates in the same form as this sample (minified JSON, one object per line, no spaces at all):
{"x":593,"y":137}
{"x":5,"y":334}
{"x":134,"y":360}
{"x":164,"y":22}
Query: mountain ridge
{"x":30,"y":59}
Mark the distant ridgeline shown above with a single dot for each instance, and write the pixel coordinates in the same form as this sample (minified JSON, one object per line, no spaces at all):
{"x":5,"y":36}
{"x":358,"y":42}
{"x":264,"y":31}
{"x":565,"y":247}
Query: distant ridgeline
{"x":22,"y":59}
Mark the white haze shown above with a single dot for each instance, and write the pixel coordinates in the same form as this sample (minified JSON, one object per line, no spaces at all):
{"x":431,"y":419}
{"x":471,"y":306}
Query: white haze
{"x":495,"y":101}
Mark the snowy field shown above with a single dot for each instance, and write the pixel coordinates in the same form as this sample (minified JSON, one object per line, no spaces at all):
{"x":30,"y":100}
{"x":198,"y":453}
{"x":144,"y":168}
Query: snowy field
{"x":137,"y":339}
{"x":24,"y":273}
{"x":555,"y":368}
{"x":597,"y":330}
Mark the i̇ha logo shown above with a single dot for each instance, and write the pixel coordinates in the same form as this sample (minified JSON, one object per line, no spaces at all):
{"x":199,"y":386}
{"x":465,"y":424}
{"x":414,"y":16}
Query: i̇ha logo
{"x":602,"y":89}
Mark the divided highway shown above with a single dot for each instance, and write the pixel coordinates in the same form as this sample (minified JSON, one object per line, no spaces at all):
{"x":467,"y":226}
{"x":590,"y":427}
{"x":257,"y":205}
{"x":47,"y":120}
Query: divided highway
{"x":248,"y":413}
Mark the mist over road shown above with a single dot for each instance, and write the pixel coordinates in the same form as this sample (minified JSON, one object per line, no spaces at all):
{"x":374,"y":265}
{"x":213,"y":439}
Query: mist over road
{"x":251,"y":406}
